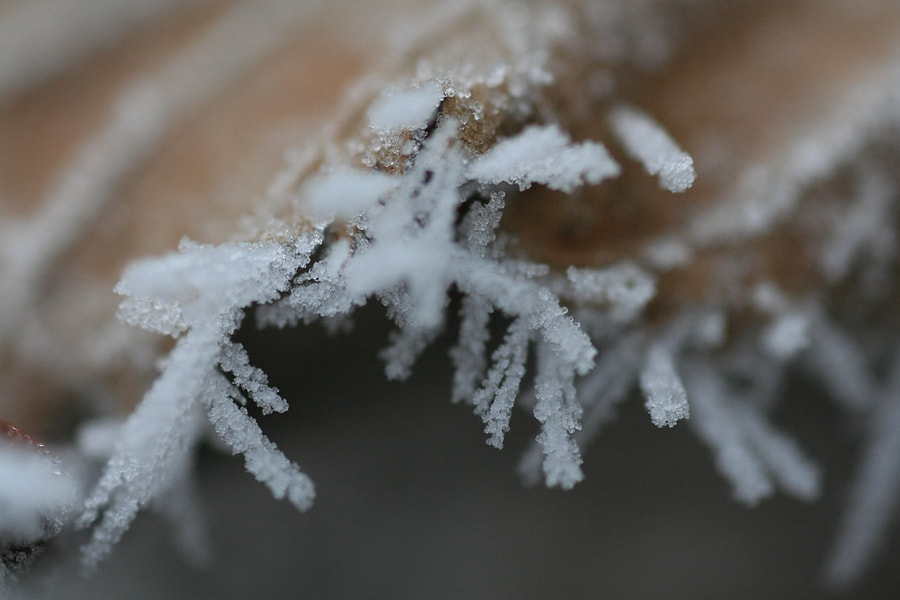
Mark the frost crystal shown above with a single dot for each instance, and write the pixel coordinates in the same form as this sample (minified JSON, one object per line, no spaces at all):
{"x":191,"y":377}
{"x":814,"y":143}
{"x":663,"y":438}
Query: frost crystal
{"x":210,"y":287}
{"x":346,"y":193}
{"x":666,"y":400}
{"x":406,"y":110}
{"x":748,"y":451}
{"x":408,"y":254}
{"x":875,"y":489}
{"x":649,"y":143}
{"x":704,"y":304}
{"x":545,"y":155}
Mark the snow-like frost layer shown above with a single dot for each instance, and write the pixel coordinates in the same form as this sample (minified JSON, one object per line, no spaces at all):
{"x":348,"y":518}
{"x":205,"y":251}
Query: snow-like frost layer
{"x":545,"y":155}
{"x":209,"y":287}
{"x":411,"y":109}
{"x":32,"y":489}
{"x":666,"y":400}
{"x":646,"y":141}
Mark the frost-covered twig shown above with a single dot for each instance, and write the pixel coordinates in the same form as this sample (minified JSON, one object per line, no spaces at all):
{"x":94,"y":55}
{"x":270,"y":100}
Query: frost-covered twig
{"x":450,"y":170}
{"x":204,"y":291}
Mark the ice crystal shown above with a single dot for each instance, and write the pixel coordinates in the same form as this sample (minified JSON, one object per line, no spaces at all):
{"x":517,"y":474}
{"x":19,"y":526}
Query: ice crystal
{"x":545,"y":155}
{"x":208,"y":288}
{"x":408,"y":253}
{"x":647,"y":142}
{"x":666,"y":399}
{"x":780,"y":261}
{"x":406,"y":110}
{"x":416,"y":234}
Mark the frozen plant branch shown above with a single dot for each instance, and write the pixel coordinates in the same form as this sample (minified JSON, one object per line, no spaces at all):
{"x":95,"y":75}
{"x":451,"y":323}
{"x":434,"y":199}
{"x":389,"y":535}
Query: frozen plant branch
{"x":645,"y":207}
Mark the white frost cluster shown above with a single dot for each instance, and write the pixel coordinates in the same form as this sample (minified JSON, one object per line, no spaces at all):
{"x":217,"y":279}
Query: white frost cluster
{"x":199,"y":295}
{"x":876,"y":489}
{"x":409,"y":250}
{"x":646,"y":141}
{"x":415,"y":237}
{"x":32,"y":488}
{"x":411,"y":109}
{"x":666,"y":401}
{"x":35,"y":499}
{"x":411,"y":235}
{"x":749,"y":451}
{"x":545,"y":155}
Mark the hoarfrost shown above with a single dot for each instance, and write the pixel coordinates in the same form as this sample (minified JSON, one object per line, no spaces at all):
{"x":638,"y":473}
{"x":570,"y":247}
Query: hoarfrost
{"x":664,"y":394}
{"x":408,"y":250}
{"x":646,"y":141}
{"x":748,"y":450}
{"x":545,"y":155}
{"x":716,"y":424}
{"x":494,"y":401}
{"x":625,"y":288}
{"x":841,"y":365}
{"x":559,"y":414}
{"x":412,"y":238}
{"x":792,"y":470}
{"x":405,"y":347}
{"x":410,"y":109}
{"x":468,"y":354}
{"x":787,"y":336}
{"x":862,"y":232}
{"x":345,"y":193}
{"x":154,"y":453}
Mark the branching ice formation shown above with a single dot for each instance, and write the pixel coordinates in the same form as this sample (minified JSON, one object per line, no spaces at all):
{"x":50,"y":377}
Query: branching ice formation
{"x":199,"y":294}
{"x":408,"y":248}
{"x":781,"y":263}
{"x":411,"y":237}
{"x":408,"y":253}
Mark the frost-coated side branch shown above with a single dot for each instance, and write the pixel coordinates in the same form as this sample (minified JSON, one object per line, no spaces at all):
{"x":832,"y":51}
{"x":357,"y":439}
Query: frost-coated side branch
{"x":646,"y":141}
{"x":204,"y":290}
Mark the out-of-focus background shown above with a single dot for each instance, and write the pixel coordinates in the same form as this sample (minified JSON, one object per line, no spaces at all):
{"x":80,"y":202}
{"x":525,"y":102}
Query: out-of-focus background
{"x":412,"y":504}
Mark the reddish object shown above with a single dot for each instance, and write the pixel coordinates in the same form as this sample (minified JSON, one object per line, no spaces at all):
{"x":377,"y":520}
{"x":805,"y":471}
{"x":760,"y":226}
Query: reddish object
{"x":11,"y":433}
{"x":16,"y":555}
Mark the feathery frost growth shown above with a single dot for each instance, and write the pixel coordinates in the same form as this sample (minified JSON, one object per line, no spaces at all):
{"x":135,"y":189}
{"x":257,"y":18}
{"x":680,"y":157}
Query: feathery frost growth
{"x":409,"y":238}
{"x":647,"y":142}
{"x":408,"y":248}
{"x":461,"y":180}
{"x":198,"y":295}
